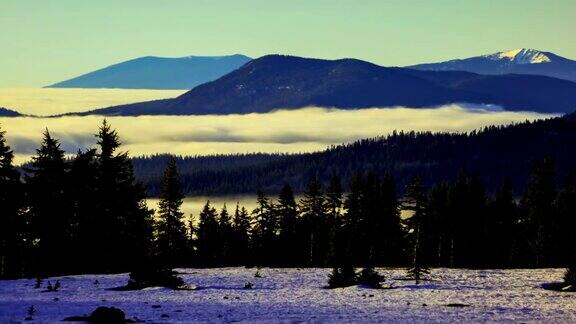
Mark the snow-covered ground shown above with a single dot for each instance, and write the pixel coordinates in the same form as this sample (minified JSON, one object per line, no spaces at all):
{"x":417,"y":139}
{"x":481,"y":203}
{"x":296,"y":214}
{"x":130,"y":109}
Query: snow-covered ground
{"x":289,"y":295}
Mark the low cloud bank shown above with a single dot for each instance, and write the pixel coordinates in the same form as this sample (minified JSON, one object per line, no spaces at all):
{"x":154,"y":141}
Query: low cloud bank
{"x":50,"y":101}
{"x":301,"y":130}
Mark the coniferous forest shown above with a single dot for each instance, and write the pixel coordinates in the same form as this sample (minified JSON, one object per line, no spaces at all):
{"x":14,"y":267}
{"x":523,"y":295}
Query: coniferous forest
{"x":87,"y":214}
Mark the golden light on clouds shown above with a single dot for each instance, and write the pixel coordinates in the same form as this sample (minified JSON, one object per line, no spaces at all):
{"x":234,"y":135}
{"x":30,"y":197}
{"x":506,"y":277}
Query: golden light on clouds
{"x":302,"y":130}
{"x":45,"y":102}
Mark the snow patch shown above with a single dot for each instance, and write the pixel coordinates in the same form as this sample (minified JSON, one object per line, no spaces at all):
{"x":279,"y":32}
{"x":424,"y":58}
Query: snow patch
{"x":521,"y":56}
{"x":297,"y":295}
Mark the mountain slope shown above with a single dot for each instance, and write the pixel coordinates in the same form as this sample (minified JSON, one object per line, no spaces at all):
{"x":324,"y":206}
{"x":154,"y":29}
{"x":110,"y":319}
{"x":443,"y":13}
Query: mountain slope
{"x":4,"y":112}
{"x":273,"y":82}
{"x":518,"y":61}
{"x":158,"y":73}
{"x":496,"y":153}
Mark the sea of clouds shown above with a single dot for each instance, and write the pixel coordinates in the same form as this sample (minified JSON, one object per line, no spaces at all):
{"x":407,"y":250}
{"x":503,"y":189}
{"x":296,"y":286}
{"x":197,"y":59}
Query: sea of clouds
{"x":302,"y":130}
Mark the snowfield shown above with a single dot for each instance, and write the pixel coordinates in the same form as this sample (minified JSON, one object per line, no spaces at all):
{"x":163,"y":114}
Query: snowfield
{"x":295,"y":295}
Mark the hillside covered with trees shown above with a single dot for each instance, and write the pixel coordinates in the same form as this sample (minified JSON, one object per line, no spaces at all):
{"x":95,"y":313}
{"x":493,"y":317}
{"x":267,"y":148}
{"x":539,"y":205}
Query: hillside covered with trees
{"x":495,"y":153}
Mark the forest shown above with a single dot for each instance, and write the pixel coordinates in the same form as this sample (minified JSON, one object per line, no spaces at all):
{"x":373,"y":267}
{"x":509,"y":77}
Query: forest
{"x":495,"y":153}
{"x":88,"y":215}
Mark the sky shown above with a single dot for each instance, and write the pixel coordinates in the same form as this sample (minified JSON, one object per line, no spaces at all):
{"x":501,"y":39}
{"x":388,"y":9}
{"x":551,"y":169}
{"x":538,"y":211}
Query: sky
{"x":46,"y":41}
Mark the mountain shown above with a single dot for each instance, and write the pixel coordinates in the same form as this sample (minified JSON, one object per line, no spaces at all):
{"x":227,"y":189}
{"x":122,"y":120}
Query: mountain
{"x":495,"y":153}
{"x":4,"y":112}
{"x":274,"y":81}
{"x":518,"y":61}
{"x":158,"y":73}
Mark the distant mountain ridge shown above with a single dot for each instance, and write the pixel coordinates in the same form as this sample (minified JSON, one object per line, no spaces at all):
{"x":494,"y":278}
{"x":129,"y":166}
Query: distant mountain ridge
{"x":518,"y":61}
{"x":274,"y":82}
{"x":152,"y":72}
{"x":4,"y":112}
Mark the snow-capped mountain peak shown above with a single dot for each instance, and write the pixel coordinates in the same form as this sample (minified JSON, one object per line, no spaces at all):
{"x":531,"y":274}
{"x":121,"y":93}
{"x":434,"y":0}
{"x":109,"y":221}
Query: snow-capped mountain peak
{"x":521,"y":56}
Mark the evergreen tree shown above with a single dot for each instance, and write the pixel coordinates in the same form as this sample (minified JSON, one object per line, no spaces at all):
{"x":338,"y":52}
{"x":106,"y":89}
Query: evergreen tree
{"x":241,"y":227}
{"x":415,"y":203}
{"x":565,"y":222}
{"x":505,"y":236}
{"x":288,"y":243}
{"x":390,"y":237}
{"x":49,"y":207}
{"x":537,"y":205}
{"x":225,"y":230}
{"x":264,"y":234}
{"x":334,"y":199}
{"x":12,"y":222}
{"x":466,"y":217}
{"x":208,"y":240}
{"x":352,"y":216}
{"x":315,"y":220}
{"x":171,"y":235}
{"x":83,"y":195}
{"x":370,"y":225}
{"x":124,"y":228}
{"x":440,"y":238}
{"x":334,"y":204}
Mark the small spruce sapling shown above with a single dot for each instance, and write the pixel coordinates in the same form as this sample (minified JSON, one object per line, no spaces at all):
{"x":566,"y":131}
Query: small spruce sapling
{"x":30,"y":312}
{"x":369,"y":277}
{"x":38,"y":283}
{"x":342,"y":277}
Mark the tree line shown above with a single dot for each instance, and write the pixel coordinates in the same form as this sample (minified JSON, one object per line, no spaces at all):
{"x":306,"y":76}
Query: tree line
{"x":88,"y":215}
{"x":496,"y":153}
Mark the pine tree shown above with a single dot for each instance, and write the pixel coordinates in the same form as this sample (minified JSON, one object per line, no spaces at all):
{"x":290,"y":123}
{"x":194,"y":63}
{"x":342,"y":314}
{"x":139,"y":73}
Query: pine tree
{"x":389,"y":237}
{"x":503,"y":225}
{"x":415,"y":202}
{"x":438,"y":210}
{"x":537,"y":205}
{"x":563,"y":231}
{"x":287,"y":213}
{"x":49,"y":207}
{"x":349,"y":240}
{"x":86,"y":216}
{"x":264,"y":235}
{"x":208,"y":241}
{"x":124,"y":227}
{"x":171,"y":235}
{"x":314,"y":216}
{"x":225,"y":230}
{"x":12,"y":223}
{"x":241,"y":227}
{"x":334,"y":199}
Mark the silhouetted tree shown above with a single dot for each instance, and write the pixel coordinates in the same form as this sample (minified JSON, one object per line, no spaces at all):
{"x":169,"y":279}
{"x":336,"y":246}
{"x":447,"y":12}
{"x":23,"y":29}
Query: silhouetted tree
{"x":504,"y":244}
{"x":225,"y":231}
{"x":565,"y":223}
{"x":241,"y":227}
{"x":171,"y":235}
{"x":208,"y":240}
{"x":288,"y":241}
{"x":12,"y":222}
{"x":124,"y":225}
{"x":352,"y":219}
{"x":439,"y":241}
{"x":49,"y":207}
{"x":415,"y":203}
{"x":264,"y":232}
{"x":315,"y":221}
{"x":537,"y":205}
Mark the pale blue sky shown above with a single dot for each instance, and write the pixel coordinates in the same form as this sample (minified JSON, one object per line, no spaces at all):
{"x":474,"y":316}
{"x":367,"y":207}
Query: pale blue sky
{"x":44,"y":41}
